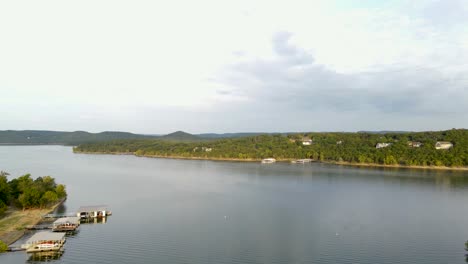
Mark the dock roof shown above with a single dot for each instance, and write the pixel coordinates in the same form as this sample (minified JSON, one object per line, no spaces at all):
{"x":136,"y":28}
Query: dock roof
{"x":70,"y":219}
{"x":93,"y":208}
{"x":45,"y":236}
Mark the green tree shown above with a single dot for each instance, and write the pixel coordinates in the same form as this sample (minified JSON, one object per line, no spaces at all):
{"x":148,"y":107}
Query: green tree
{"x":60,"y":191}
{"x":3,"y":207}
{"x":30,"y":198}
{"x":48,"y":197}
{"x":4,"y":188}
{"x":390,"y":160}
{"x":3,"y":247}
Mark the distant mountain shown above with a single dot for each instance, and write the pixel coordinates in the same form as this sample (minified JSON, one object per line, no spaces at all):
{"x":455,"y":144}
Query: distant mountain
{"x":180,"y":136}
{"x":385,"y":132}
{"x":229,"y":135}
{"x":45,"y":137}
{"x":40,"y":137}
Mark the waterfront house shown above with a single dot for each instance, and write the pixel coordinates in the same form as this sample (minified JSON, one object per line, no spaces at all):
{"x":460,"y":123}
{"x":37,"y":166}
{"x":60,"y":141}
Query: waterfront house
{"x":306,"y":141}
{"x":382,"y":145}
{"x":339,"y":142}
{"x":443,"y":145}
{"x":414,"y":144}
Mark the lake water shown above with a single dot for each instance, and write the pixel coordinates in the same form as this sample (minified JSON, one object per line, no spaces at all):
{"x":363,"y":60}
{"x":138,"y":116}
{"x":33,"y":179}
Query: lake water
{"x":187,"y":211}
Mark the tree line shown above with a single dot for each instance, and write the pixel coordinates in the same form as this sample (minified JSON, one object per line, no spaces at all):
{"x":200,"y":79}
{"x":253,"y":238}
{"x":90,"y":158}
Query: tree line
{"x":335,"y":147}
{"x":25,"y":192}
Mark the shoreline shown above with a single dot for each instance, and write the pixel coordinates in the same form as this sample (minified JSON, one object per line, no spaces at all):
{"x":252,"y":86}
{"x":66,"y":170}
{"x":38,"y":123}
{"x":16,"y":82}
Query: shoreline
{"x":13,"y":223}
{"x":343,"y":163}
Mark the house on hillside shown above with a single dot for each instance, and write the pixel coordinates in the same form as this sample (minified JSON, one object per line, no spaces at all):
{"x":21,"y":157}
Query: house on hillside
{"x":205,"y":149}
{"x":414,"y":144}
{"x":306,"y":141}
{"x":339,"y":142}
{"x":443,"y":145}
{"x":382,"y":145}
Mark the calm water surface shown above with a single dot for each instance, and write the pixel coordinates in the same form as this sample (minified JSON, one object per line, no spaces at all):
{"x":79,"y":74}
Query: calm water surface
{"x":183,"y":211}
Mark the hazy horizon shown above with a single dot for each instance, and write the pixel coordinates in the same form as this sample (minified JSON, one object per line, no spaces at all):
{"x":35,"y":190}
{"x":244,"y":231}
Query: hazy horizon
{"x":231,"y":132}
{"x":153,"y":67}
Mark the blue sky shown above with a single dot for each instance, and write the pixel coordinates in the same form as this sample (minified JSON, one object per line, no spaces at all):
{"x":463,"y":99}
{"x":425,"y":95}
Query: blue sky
{"x":228,"y":66}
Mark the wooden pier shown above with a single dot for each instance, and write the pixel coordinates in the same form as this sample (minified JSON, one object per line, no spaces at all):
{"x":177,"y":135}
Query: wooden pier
{"x":47,"y":245}
{"x":38,"y":227}
{"x":14,"y":249}
{"x":58,"y":215}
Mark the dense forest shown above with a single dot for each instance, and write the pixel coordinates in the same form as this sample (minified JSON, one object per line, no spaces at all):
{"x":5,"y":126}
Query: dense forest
{"x":403,"y":148}
{"x":24,"y":192}
{"x":33,"y":137}
{"x":44,"y":137}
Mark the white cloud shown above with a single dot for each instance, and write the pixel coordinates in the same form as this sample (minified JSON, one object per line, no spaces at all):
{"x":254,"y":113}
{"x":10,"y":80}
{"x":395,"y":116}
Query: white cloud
{"x":111,"y":64}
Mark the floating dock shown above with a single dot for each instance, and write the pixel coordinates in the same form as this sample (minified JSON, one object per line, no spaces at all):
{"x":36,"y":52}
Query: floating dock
{"x":93,"y":211}
{"x":66,"y":224}
{"x":58,"y":215}
{"x":44,"y":241}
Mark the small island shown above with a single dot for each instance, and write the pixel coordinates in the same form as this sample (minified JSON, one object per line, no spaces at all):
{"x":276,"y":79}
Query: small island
{"x":23,"y":202}
{"x":435,"y":149}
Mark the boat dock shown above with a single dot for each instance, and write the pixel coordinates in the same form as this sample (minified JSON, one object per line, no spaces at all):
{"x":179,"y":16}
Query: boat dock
{"x":14,"y":249}
{"x":50,"y":237}
{"x":66,"y":224}
{"x":44,"y":241}
{"x":93,"y":211}
{"x":58,"y":215}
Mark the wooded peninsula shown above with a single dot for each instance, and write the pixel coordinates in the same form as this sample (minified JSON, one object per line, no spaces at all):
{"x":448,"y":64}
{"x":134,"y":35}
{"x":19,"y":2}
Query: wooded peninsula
{"x":412,"y":149}
{"x":23,"y":201}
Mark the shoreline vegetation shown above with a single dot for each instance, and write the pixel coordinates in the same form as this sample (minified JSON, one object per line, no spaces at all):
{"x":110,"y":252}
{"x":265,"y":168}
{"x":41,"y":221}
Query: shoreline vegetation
{"x":23,"y":202}
{"x":443,"y":150}
{"x":369,"y":165}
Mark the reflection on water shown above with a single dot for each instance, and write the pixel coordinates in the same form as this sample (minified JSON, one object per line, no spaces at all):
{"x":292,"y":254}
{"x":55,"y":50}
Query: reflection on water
{"x":95,"y":220}
{"x":61,"y":209}
{"x":45,"y":256}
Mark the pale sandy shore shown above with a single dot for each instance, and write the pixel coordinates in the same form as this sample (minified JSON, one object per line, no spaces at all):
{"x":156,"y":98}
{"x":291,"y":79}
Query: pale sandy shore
{"x":285,"y":160}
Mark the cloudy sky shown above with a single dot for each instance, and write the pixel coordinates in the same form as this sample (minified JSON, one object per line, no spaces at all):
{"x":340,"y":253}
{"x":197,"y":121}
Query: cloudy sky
{"x":231,"y":66}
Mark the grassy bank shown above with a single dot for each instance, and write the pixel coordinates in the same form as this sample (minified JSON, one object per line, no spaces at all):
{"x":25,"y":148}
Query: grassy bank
{"x":14,"y":221}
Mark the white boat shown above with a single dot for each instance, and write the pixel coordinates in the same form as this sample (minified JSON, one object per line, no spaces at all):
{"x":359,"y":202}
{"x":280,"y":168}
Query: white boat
{"x":269,"y":160}
{"x":45,"y":246}
{"x":302,"y":161}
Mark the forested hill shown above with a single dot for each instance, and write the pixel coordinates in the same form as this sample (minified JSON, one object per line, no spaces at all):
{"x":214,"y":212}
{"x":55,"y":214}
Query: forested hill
{"x":63,"y":138}
{"x":34,"y":137}
{"x":409,"y":149}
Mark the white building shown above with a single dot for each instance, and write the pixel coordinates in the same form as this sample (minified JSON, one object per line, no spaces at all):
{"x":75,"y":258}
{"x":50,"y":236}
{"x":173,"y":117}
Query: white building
{"x":306,"y":141}
{"x":443,"y":145}
{"x":414,"y":144}
{"x":382,"y":145}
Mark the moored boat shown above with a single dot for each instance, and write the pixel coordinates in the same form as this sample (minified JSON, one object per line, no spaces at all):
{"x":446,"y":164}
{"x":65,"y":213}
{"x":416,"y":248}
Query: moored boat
{"x":66,"y":224}
{"x":45,"y":241}
{"x":302,"y":161}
